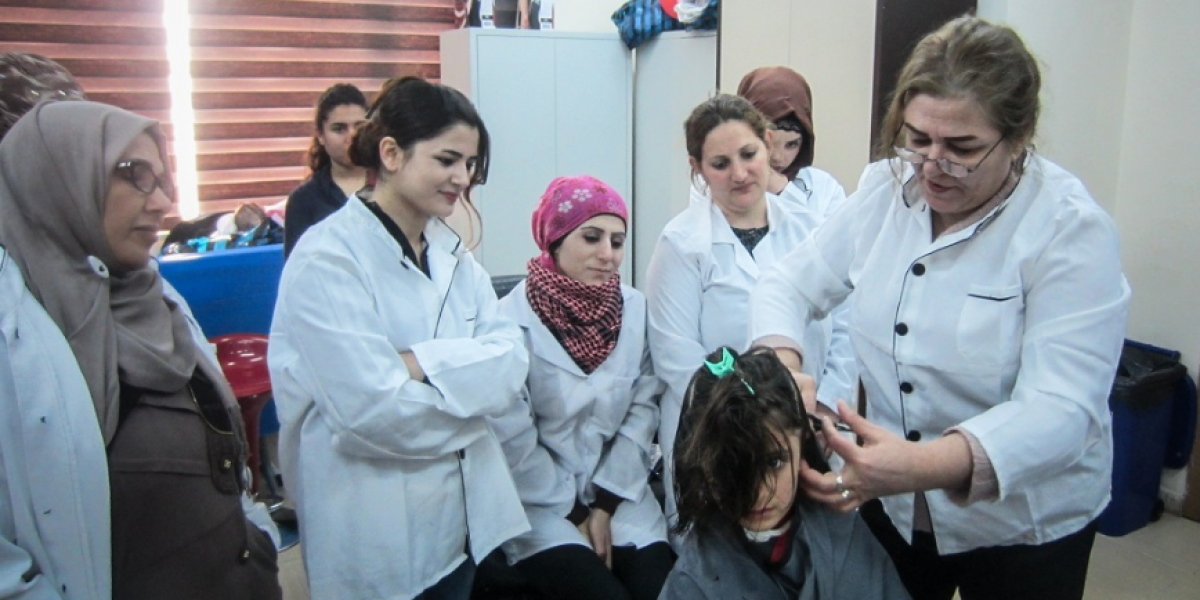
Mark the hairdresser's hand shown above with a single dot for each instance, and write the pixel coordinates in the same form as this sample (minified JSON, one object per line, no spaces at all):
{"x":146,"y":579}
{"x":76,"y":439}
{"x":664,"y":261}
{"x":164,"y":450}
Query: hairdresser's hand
{"x":878,"y":468}
{"x":886,"y":464}
{"x":599,"y":526}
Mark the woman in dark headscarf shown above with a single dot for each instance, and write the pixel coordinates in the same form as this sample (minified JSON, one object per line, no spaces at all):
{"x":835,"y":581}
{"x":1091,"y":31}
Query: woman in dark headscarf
{"x":784,"y":98}
{"x":99,"y":362}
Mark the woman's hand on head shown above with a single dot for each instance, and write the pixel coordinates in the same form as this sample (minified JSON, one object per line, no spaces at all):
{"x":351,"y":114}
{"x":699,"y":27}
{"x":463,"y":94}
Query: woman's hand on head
{"x":790,"y":357}
{"x":808,"y":390}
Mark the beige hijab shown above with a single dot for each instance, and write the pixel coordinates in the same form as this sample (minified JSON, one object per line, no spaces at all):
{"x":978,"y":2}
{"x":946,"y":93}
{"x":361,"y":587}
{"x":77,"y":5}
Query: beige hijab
{"x":55,"y":167}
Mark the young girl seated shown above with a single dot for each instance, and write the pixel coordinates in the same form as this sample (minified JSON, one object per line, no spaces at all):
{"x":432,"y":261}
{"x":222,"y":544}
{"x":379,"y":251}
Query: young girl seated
{"x":742,"y":436}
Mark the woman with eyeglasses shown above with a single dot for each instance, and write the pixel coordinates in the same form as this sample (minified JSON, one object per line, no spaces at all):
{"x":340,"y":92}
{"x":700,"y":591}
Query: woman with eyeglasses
{"x":122,"y":453}
{"x":988,"y":313}
{"x":752,"y":534}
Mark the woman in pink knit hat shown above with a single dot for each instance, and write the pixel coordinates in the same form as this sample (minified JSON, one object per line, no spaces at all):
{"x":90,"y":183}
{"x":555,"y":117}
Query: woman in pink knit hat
{"x":580,"y":452}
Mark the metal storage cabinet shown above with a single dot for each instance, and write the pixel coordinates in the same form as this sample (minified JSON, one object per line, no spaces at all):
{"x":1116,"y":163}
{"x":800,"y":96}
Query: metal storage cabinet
{"x":675,"y":72}
{"x":555,"y":103}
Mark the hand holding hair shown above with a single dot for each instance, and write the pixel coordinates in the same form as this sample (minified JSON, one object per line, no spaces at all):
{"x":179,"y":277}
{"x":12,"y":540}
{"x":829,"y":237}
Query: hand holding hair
{"x":886,"y":464}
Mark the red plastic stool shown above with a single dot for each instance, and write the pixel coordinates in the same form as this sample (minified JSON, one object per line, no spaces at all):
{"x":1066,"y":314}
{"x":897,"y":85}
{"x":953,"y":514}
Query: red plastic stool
{"x":243,"y":358}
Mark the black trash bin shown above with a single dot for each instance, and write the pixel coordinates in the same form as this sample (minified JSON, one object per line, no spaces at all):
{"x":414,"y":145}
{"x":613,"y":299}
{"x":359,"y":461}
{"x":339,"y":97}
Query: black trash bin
{"x":1141,"y":409}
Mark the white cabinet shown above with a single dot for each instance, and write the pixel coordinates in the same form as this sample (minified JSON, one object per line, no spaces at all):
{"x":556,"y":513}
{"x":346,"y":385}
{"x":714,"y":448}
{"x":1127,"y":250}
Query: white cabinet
{"x":555,"y":103}
{"x":675,"y":72}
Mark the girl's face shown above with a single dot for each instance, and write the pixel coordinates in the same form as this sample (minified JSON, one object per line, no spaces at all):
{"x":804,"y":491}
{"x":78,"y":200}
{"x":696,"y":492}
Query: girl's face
{"x":133,"y":216}
{"x":338,"y":131}
{"x":734,"y":162}
{"x":785,"y":147}
{"x":592,"y":253}
{"x":431,"y":177}
{"x":778,"y":492}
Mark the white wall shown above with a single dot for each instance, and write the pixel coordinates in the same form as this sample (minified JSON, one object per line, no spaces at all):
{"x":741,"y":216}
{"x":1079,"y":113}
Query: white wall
{"x":833,"y":45}
{"x":1084,"y":68}
{"x":1120,"y":112}
{"x":585,"y":15}
{"x":1158,"y":187}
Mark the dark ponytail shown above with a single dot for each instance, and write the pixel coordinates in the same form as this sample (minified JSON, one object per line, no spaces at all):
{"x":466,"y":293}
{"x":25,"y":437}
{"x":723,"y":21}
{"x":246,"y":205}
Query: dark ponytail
{"x":337,"y":95}
{"x":411,"y":110}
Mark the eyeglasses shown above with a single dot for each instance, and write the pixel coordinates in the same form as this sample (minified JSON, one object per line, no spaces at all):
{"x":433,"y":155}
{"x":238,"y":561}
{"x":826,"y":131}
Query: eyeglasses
{"x":949,"y":167}
{"x":141,"y":175}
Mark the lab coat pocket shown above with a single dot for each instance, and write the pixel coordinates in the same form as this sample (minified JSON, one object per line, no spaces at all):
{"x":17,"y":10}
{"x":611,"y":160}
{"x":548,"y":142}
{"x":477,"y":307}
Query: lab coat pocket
{"x":989,"y":327}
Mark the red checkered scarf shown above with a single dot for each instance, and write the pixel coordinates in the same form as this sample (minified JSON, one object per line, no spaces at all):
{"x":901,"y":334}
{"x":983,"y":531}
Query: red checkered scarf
{"x":585,"y":319}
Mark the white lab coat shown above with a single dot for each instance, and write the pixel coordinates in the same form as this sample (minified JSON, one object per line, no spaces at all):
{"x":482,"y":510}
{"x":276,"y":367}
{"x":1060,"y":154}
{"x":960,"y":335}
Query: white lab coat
{"x":812,"y":196}
{"x":55,"y":527}
{"x":392,"y":476}
{"x":596,"y":430}
{"x":809,"y":199}
{"x":698,"y":293}
{"x":1010,"y":328}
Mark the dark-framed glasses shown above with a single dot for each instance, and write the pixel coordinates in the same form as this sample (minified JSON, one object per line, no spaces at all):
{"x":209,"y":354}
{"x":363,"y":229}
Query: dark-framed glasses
{"x":141,"y":175}
{"x":949,"y":167}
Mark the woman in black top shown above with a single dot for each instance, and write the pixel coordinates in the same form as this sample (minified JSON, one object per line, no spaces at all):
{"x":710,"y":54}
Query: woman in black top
{"x":340,"y":111}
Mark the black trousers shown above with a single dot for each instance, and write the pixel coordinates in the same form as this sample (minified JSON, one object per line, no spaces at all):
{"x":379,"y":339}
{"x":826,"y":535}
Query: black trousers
{"x":576,"y":572}
{"x":1052,"y":571}
{"x":455,"y":586}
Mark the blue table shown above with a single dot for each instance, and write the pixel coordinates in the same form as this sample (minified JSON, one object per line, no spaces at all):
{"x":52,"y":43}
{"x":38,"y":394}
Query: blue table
{"x":230,"y":291}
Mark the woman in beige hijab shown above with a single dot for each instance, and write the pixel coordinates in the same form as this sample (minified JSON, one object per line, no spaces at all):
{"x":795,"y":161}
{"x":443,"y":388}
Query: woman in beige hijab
{"x":121,"y":448}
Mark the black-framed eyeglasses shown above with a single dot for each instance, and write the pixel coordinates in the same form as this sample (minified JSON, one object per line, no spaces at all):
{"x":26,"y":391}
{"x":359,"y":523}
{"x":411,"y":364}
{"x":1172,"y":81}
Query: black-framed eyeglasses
{"x":141,"y":175}
{"x":949,"y":167}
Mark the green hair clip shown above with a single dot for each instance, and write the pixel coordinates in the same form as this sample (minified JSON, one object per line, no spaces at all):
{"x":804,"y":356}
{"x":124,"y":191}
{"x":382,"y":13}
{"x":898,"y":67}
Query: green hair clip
{"x":725,"y":367}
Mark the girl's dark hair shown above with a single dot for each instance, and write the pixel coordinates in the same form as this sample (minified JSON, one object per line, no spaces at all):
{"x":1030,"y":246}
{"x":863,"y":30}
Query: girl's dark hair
{"x":726,"y":439}
{"x":411,"y":110}
{"x":338,"y":95}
